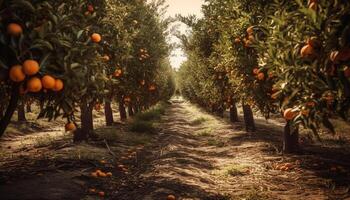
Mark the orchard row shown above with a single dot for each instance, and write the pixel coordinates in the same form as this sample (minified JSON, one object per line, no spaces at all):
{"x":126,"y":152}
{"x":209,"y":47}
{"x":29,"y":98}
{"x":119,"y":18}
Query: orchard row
{"x":287,"y":58}
{"x":77,"y":55}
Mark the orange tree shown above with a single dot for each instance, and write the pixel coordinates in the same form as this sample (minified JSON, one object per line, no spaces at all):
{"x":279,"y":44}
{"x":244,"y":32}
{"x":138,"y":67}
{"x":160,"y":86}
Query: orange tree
{"x":140,"y":87}
{"x":26,"y":55}
{"x":306,"y":46}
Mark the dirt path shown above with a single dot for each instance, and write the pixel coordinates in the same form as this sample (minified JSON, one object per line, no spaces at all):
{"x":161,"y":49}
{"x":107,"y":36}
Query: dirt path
{"x":193,"y":155}
{"x":203,"y":157}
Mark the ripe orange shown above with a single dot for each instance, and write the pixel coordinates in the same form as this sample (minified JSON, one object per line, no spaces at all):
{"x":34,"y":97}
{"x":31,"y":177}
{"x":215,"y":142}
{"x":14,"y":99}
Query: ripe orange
{"x":143,"y":82}
{"x":251,"y":38}
{"x":34,"y":84}
{"x":58,"y":85}
{"x":14,"y":29}
{"x":289,"y":114}
{"x":101,"y":194}
{"x":31,"y":67}
{"x":313,"y":41}
{"x":170,"y":197}
{"x":307,"y":51}
{"x":109,"y":174}
{"x":70,"y":127}
{"x":106,"y":58}
{"x":347,"y":72}
{"x":118,"y":73}
{"x":98,"y":107}
{"x":247,"y":43}
{"x":237,"y":40}
{"x":250,"y":30}
{"x":152,"y":88}
{"x":255,"y":71}
{"x":261,"y":76}
{"x":48,"y":82}
{"x":90,"y":8}
{"x":95,"y":37}
{"x":311,"y":104}
{"x":16,"y":74}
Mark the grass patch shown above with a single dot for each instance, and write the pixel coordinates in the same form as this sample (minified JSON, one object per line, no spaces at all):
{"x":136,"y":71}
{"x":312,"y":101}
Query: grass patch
{"x":141,"y":126}
{"x":145,"y":122}
{"x":214,"y":142}
{"x":205,"y":132}
{"x":233,"y":170}
{"x":198,"y":121}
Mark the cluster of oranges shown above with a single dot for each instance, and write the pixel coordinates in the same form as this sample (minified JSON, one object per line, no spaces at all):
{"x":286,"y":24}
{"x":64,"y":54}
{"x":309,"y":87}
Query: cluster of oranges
{"x":291,"y":113}
{"x":99,"y":173}
{"x":30,"y":68}
{"x":259,"y":75}
{"x":250,"y":37}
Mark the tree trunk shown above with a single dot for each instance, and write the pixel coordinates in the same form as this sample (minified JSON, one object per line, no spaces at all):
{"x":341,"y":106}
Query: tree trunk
{"x":108,"y":113}
{"x":4,"y":122}
{"x":87,"y":124}
{"x":290,"y":138}
{"x":122,"y":111}
{"x":130,"y":110}
{"x":21,"y":114}
{"x":248,"y":118}
{"x":136,"y":109}
{"x":233,"y":113}
{"x":29,"y":107}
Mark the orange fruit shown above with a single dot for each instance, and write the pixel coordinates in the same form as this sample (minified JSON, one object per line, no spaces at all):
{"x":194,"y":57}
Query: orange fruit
{"x":70,"y":127}
{"x":101,"y":194}
{"x":152,"y":88}
{"x":237,"y":40}
{"x":90,"y":8}
{"x":48,"y":82}
{"x":14,"y":29}
{"x":31,"y":67}
{"x":255,"y":71}
{"x":261,"y":76}
{"x":248,"y":43}
{"x":143,"y":82}
{"x":313,"y":42}
{"x":289,"y":114}
{"x":251,"y":38}
{"x":58,"y":85}
{"x":118,"y":73}
{"x":92,"y":190}
{"x":96,"y":38}
{"x":347,"y":72}
{"x":109,"y":174}
{"x":34,"y":84}
{"x":16,"y":74}
{"x":311,"y":104}
{"x":170,"y":197}
{"x":250,"y":30}
{"x":106,"y":58}
{"x":307,"y":51}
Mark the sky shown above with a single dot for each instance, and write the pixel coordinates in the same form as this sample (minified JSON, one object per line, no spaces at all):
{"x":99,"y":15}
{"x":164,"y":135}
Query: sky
{"x":183,"y":7}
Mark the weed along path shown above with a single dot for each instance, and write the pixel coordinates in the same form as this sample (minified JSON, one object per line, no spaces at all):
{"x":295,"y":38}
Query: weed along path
{"x":187,"y":153}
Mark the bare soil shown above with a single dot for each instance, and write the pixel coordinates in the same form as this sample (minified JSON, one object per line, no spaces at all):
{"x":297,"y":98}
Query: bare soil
{"x":194,"y":155}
